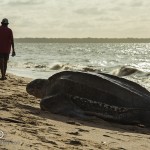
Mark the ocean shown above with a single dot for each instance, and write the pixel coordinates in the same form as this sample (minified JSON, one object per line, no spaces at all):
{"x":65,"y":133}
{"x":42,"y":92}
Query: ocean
{"x":41,"y":60}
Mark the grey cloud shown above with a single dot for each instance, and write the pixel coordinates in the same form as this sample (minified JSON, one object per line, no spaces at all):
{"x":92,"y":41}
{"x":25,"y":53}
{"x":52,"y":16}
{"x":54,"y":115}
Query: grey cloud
{"x":78,"y":25}
{"x":137,"y":4}
{"x":25,"y":2}
{"x":3,"y":2}
{"x":120,"y":5}
{"x":116,"y":8}
{"x":108,"y":18}
{"x":89,"y":11}
{"x":131,"y":3}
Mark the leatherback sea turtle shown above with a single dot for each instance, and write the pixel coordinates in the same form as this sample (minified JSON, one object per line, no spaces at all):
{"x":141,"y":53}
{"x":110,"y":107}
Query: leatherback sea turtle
{"x":82,"y":94}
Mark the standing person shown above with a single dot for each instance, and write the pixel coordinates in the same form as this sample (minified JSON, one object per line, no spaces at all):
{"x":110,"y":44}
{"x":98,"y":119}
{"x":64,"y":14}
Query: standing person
{"x":6,"y":42}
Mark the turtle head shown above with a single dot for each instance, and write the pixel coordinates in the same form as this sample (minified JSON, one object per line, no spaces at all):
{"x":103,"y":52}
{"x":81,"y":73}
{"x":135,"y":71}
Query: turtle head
{"x":37,"y":87}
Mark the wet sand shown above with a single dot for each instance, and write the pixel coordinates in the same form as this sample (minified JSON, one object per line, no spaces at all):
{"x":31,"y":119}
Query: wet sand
{"x":26,"y":127}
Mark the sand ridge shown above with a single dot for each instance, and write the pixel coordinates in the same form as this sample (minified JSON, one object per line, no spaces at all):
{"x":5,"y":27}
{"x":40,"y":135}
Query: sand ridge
{"x":25,"y":126}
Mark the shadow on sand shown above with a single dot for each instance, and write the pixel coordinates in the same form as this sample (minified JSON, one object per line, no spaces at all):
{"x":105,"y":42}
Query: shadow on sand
{"x":92,"y":121}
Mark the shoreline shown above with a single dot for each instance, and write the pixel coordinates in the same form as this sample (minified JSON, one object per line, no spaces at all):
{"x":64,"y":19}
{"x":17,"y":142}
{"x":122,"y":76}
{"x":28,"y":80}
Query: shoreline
{"x":19,"y":74}
{"x":25,"y":126}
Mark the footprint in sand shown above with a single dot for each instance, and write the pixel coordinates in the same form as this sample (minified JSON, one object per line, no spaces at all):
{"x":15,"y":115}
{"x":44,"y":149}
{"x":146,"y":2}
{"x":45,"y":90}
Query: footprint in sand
{"x":43,"y":139}
{"x":118,"y":148}
{"x":74,"y":133}
{"x":57,"y":134}
{"x":50,"y":130}
{"x":73,"y":123}
{"x":34,"y":132}
{"x":113,"y":138}
{"x":82,"y":130}
{"x":74,"y":142}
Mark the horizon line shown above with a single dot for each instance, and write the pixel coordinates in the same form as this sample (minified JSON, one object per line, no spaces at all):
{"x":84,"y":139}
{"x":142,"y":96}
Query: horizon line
{"x":81,"y":38}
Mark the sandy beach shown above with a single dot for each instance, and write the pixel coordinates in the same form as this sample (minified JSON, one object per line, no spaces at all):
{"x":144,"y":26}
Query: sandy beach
{"x":24,"y":126}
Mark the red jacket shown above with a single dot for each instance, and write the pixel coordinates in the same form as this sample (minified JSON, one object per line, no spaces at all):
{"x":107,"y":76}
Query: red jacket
{"x":6,"y":38}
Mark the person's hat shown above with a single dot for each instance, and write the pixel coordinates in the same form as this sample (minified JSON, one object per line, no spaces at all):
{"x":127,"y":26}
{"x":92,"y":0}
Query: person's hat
{"x":5,"y":21}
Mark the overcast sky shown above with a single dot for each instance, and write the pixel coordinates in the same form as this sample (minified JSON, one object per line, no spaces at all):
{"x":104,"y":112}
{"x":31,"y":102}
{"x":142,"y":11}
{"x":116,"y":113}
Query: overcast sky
{"x":77,"y":18}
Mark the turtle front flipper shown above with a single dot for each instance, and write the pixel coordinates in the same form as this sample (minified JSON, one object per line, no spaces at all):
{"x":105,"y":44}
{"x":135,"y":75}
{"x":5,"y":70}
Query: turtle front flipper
{"x":61,"y":104}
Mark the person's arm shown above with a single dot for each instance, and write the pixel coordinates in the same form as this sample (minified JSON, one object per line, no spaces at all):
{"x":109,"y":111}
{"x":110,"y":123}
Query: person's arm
{"x":12,"y":44}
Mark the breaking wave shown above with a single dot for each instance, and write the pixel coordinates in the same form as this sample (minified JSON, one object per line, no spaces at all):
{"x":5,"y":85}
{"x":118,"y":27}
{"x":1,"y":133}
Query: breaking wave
{"x":126,"y":71}
{"x":121,"y":71}
{"x":118,"y":71}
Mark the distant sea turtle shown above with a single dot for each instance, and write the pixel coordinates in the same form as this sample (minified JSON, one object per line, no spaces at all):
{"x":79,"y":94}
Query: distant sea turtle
{"x":102,"y":95}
